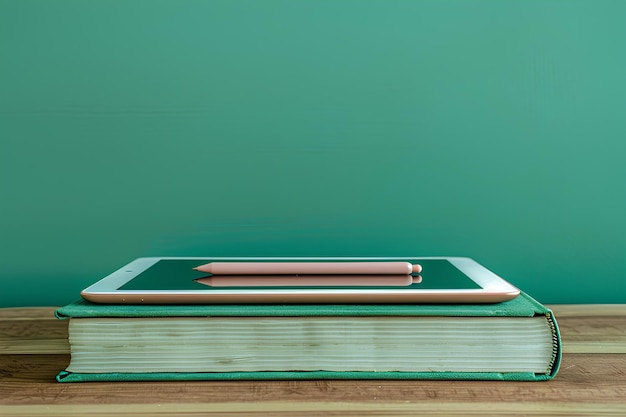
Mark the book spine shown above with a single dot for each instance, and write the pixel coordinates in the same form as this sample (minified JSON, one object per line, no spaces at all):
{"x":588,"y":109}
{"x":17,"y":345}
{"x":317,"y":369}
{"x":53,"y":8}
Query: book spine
{"x":555,"y":362}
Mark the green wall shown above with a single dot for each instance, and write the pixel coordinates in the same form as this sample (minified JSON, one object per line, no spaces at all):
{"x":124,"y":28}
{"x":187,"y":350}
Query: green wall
{"x":489,"y":129}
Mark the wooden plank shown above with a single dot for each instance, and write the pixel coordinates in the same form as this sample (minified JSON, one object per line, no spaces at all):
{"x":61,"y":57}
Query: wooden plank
{"x":593,"y":378}
{"x":592,"y":383}
{"x":27,"y":313}
{"x":323,"y":409}
{"x":603,"y":330}
{"x":560,"y":310}
{"x":33,"y":330}
{"x":593,"y":334}
{"x":588,"y":310}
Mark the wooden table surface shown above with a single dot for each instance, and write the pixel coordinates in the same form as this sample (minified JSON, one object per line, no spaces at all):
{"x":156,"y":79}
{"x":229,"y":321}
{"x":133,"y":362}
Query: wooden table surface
{"x":592,"y":381}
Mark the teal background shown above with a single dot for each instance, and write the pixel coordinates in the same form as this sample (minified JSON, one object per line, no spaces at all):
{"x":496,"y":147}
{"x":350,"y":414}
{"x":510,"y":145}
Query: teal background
{"x":489,"y":129}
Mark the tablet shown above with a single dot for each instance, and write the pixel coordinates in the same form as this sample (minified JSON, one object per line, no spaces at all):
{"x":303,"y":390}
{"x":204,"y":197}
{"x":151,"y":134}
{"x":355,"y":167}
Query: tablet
{"x":173,"y":280}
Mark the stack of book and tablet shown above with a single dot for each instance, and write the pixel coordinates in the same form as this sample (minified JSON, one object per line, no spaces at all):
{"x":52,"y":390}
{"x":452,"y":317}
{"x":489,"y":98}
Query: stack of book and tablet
{"x":190,"y":328}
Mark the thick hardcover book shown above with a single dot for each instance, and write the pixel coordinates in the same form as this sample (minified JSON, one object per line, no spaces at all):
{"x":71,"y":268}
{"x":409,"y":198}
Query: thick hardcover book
{"x":513,"y":340}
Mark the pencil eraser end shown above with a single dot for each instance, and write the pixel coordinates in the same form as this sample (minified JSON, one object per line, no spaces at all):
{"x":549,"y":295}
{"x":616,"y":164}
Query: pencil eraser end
{"x":417,"y":268}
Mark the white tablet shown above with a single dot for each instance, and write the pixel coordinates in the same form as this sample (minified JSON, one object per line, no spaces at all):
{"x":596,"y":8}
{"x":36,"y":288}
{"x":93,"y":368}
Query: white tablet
{"x":171,"y":280}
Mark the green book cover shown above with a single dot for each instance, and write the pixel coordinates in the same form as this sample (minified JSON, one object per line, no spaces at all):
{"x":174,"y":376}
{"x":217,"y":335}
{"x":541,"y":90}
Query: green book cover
{"x":521,"y":306}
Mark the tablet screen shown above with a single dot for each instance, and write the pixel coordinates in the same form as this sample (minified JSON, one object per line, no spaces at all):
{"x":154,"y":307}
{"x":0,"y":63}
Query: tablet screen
{"x":177,"y":274}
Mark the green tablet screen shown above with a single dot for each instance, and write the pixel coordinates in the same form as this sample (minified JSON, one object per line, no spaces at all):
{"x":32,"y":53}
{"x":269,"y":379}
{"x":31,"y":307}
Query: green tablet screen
{"x":179,"y":275}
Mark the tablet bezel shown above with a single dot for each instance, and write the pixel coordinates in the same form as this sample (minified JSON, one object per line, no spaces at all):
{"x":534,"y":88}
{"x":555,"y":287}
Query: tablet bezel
{"x":492,"y":287}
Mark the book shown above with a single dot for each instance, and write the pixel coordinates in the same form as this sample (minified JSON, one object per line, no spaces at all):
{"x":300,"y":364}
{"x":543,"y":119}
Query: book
{"x":513,"y":340}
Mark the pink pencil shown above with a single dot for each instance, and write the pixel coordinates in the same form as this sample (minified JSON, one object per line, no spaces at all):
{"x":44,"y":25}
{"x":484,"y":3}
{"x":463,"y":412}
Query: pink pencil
{"x":308,"y":268}
{"x":395,"y":280}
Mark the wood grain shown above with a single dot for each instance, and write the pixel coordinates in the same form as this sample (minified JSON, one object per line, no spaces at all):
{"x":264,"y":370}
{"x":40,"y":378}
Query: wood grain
{"x":592,"y":381}
{"x":323,"y":409}
{"x":594,"y":330}
{"x":583,"y":377}
{"x":31,"y":331}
